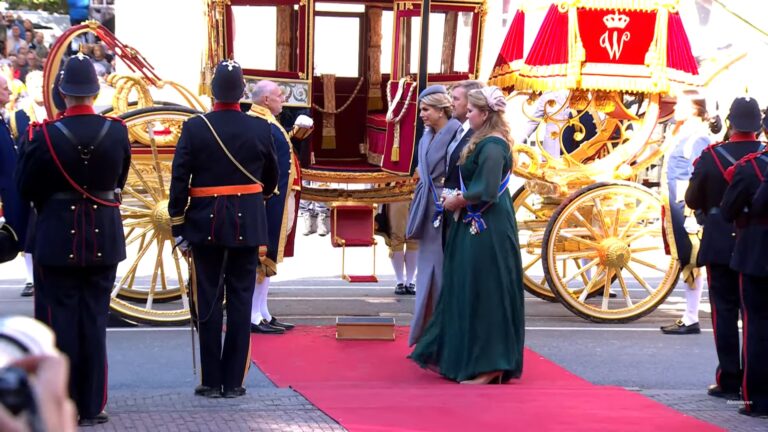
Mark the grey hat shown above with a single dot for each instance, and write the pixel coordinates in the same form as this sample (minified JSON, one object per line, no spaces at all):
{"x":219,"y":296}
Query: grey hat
{"x":433,"y":89}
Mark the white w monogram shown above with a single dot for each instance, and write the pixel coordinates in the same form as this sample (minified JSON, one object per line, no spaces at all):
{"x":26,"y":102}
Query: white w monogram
{"x":615,"y":46}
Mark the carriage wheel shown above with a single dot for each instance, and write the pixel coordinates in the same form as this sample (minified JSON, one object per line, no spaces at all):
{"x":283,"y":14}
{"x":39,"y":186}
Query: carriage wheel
{"x":151,"y":285}
{"x":532,"y":216}
{"x":614,"y":230}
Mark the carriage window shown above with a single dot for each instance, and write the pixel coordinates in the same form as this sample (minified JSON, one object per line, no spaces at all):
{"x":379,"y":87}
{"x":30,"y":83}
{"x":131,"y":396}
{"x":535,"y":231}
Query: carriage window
{"x":387,"y":31}
{"x":255,"y":23}
{"x":450,"y":36}
{"x":337,"y":45}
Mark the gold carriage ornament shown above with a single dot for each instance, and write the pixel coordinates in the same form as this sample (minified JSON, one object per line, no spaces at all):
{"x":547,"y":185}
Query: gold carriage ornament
{"x":591,"y":85}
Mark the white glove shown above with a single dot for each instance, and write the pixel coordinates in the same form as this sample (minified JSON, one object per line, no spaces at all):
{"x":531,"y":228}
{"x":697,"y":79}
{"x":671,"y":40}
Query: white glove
{"x":303,"y":121}
{"x":2,"y":221}
{"x":690,"y":225}
{"x":182,"y":244}
{"x":291,"y":204}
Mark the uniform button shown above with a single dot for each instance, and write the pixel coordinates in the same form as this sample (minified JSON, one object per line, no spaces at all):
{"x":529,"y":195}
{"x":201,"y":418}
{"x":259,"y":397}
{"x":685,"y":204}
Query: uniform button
{"x":239,"y":214}
{"x":98,"y":254}
{"x":209,"y":238}
{"x":72,"y":208}
{"x":241,"y":237}
{"x":96,"y":230}
{"x":211,"y":214}
{"x":71,"y":256}
{"x":72,"y":232}
{"x":215,"y":195}
{"x":95,"y":207}
{"x":238,"y":194}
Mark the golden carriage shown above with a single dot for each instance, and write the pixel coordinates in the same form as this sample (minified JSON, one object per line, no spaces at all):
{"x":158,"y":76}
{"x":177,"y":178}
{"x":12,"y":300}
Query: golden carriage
{"x":356,"y":64}
{"x":591,"y":232}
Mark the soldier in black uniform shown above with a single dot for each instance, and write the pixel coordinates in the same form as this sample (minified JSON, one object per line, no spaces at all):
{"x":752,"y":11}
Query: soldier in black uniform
{"x":749,"y":259}
{"x":704,"y":194}
{"x":72,"y":170}
{"x":229,"y":158}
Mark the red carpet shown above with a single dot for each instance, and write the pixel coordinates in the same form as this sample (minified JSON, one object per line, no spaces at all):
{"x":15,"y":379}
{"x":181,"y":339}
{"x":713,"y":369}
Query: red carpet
{"x":370,"y":386}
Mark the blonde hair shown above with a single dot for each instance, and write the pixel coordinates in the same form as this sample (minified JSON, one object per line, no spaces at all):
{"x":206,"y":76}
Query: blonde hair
{"x":495,"y":123}
{"x":440,"y":101}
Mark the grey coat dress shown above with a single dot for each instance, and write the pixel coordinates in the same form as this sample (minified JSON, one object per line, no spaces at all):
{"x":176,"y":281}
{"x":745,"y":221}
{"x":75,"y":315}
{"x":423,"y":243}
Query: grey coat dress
{"x":431,"y":152}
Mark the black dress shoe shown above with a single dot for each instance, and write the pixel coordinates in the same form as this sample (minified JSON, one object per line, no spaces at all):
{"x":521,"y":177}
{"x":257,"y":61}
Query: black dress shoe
{"x":401,"y":290}
{"x":751,"y":413}
{"x":717,"y":391}
{"x":28,"y":291}
{"x":678,"y":328}
{"x":100,"y":418}
{"x":285,"y":326}
{"x":411,"y":289}
{"x":264,"y":328}
{"x":208,"y":392}
{"x":233,"y":393}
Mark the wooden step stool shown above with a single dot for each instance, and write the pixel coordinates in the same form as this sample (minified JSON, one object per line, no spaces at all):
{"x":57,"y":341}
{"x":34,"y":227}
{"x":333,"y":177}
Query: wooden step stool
{"x":365,"y":328}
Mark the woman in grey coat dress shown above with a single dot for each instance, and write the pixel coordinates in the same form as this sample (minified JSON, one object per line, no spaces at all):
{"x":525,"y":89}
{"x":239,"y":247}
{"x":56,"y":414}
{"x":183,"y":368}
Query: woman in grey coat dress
{"x":425,"y":216}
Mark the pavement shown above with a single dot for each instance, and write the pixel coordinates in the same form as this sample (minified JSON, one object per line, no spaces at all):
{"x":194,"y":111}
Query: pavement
{"x":151,"y":370}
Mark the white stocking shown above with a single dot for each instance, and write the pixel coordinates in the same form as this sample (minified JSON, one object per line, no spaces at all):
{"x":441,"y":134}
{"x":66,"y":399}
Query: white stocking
{"x":30,"y":271}
{"x":398,"y":261}
{"x":256,"y":316}
{"x":693,"y":299}
{"x":264,"y":288}
{"x":410,"y":265}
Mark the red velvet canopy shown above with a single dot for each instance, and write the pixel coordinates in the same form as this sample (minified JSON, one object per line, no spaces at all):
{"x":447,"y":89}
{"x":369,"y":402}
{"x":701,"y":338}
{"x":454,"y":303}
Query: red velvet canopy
{"x":510,"y":58}
{"x":602,"y":45}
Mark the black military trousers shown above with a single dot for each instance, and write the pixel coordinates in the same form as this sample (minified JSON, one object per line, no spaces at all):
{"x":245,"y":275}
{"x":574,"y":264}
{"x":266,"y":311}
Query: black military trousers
{"x":725,"y":302}
{"x":77,"y":304}
{"x":754,"y":298}
{"x":225,"y":367}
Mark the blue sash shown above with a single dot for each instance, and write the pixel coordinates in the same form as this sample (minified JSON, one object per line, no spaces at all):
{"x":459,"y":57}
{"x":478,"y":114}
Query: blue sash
{"x":474,"y":215}
{"x":437,"y":218}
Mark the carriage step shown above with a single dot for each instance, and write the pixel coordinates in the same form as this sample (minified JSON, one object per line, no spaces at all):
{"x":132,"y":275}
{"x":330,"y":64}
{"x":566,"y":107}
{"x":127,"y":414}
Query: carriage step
{"x":365,"y":328}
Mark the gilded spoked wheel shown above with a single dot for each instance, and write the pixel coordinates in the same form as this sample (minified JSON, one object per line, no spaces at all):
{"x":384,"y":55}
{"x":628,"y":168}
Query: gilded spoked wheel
{"x":532,"y":216}
{"x":614,"y":230}
{"x":151,"y":285}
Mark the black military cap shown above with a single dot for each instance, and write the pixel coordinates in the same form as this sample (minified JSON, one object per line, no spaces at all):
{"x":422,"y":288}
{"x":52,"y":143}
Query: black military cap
{"x":79,"y":77}
{"x":745,"y":115}
{"x":58,"y":99}
{"x":228,"y":84}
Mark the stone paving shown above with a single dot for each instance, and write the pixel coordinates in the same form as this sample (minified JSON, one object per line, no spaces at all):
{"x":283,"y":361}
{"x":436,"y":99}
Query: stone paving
{"x":717,"y":411}
{"x":261,"y":409}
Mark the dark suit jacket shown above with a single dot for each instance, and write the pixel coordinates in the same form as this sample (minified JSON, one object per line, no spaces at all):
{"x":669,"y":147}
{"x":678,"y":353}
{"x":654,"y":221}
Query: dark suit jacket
{"x":751,"y":249}
{"x":199,"y":161}
{"x":76,"y":231}
{"x":704,"y":194}
{"x":452,"y":174}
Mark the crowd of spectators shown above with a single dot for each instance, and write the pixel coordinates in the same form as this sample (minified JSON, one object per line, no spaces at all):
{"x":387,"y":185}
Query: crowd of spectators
{"x":24,"y":48}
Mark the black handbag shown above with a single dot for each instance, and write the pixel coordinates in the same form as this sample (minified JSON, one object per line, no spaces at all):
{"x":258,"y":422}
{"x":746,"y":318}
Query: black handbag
{"x":9,"y":244}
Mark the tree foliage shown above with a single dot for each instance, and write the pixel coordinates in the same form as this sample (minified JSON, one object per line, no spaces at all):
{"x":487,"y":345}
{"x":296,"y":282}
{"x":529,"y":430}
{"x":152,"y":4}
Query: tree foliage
{"x":57,"y":6}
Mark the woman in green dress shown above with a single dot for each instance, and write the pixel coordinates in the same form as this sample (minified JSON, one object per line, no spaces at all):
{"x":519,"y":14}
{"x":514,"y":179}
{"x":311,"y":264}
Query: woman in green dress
{"x":476,"y":334}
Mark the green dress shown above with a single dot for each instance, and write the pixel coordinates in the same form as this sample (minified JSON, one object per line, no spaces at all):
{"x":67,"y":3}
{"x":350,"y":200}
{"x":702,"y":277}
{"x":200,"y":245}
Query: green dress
{"x":478,"y":324}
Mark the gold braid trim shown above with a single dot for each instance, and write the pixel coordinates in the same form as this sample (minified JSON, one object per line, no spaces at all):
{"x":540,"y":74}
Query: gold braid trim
{"x":264,"y":113}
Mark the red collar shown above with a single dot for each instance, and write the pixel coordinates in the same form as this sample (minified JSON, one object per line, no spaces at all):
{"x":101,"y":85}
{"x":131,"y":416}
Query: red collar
{"x":743,"y":136}
{"x":75,"y":110}
{"x":223,"y":106}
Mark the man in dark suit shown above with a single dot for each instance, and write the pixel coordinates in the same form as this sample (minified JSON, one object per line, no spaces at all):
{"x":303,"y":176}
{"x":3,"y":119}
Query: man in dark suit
{"x":223,"y":168}
{"x":705,"y":192}
{"x":749,"y":259}
{"x":79,"y":234}
{"x":459,"y":94}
